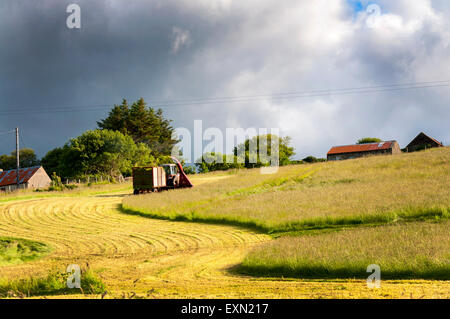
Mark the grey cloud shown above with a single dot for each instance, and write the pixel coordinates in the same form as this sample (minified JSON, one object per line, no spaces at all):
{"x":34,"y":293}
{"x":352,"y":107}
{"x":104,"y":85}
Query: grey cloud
{"x":236,"y":48}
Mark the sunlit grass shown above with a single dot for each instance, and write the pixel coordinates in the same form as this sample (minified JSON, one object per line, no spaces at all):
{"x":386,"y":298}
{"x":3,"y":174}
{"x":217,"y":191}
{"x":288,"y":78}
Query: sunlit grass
{"x":83,"y":190}
{"x":17,"y":250}
{"x":55,"y":283}
{"x":374,"y":190}
{"x":412,"y":250}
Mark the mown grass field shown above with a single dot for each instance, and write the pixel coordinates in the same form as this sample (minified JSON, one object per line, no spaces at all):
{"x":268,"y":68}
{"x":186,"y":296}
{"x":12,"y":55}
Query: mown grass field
{"x":138,"y":256}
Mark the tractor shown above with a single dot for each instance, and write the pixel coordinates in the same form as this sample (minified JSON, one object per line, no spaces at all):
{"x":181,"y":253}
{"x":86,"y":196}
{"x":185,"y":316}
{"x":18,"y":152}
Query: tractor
{"x":155,"y":179}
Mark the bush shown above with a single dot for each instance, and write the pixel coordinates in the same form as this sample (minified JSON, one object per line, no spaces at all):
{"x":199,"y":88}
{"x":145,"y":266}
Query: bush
{"x":312,"y":159}
{"x":367,"y":140}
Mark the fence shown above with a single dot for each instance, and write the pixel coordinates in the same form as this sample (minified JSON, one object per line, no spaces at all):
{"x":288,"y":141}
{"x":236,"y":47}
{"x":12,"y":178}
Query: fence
{"x":94,"y":179}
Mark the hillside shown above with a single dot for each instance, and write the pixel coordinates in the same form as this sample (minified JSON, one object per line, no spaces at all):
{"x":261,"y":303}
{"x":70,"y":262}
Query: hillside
{"x":334,"y":218}
{"x":373,"y":190}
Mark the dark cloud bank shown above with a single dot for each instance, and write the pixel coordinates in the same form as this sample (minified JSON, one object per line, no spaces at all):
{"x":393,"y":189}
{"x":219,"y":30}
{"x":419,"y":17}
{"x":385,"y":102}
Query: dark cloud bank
{"x":169,"y":50}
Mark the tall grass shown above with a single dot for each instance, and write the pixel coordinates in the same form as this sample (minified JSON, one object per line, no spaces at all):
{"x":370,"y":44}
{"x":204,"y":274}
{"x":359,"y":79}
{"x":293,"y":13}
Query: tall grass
{"x":55,"y":283}
{"x":413,"y":250}
{"x":374,"y":190}
{"x":17,"y":250}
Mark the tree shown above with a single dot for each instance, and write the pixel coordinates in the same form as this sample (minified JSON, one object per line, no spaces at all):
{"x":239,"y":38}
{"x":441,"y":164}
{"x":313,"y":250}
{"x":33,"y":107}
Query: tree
{"x":27,"y":158}
{"x":312,"y":159}
{"x":211,"y":162}
{"x":256,"y":158}
{"x":98,"y":152}
{"x":53,"y":162}
{"x":367,"y":140}
{"x":143,"y":124}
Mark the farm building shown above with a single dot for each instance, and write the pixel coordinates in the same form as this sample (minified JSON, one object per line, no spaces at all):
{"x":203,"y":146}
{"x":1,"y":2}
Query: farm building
{"x":29,"y":178}
{"x":338,"y":153}
{"x":421,"y":142}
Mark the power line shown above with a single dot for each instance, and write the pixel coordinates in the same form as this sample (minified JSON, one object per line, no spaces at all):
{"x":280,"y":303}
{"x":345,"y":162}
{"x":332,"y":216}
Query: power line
{"x":241,"y":99}
{"x":7,"y":132}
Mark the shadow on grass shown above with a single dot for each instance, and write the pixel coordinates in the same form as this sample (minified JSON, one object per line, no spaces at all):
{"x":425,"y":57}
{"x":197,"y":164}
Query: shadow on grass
{"x":194,"y":219}
{"x":322,"y":272}
{"x":305,"y":227}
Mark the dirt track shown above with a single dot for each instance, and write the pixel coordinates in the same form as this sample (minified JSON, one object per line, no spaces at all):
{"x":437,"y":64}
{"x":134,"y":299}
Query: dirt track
{"x":163,"y":259}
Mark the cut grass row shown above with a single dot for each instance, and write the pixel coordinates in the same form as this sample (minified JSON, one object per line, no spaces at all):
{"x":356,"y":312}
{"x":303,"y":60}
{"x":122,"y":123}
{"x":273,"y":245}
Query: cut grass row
{"x":369,"y":191}
{"x":413,"y":250}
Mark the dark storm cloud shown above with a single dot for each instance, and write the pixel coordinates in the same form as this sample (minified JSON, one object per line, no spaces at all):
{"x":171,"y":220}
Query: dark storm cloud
{"x":169,"y":50}
{"x":120,"y":51}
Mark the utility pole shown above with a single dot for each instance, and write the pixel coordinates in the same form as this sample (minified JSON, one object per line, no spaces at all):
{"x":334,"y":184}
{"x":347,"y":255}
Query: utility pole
{"x":17,"y":157}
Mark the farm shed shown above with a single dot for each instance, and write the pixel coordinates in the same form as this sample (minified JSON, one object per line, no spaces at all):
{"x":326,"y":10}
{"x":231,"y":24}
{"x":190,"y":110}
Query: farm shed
{"x":29,"y":178}
{"x":338,"y":153}
{"x":421,"y":142}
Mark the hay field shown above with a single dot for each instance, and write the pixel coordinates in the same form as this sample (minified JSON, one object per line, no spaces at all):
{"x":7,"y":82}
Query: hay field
{"x":142,"y":257}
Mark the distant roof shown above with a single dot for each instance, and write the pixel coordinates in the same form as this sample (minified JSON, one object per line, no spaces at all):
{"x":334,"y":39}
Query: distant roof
{"x":357,"y":148}
{"x":9,"y":177}
{"x":422,"y":134}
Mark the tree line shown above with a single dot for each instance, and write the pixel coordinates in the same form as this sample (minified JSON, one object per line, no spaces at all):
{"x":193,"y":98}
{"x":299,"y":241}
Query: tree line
{"x":138,"y":135}
{"x":131,"y":135}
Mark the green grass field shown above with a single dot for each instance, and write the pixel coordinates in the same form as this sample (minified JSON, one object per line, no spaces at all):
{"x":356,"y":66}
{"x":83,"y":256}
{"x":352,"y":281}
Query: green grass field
{"x":373,"y":190}
{"x":419,"y":250}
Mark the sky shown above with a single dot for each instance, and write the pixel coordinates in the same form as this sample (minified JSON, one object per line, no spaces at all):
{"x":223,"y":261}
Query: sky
{"x":56,"y":82}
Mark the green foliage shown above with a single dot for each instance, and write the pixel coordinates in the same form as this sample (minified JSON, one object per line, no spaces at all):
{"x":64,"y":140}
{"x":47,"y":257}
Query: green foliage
{"x":27,"y":158}
{"x":260,"y":154}
{"x":55,"y":283}
{"x":56,"y":180}
{"x":217,"y":162}
{"x":254,"y":152}
{"x":367,"y":140}
{"x":312,"y":159}
{"x":143,"y":124}
{"x":99,"y":152}
{"x":189,"y":170}
{"x":17,"y":250}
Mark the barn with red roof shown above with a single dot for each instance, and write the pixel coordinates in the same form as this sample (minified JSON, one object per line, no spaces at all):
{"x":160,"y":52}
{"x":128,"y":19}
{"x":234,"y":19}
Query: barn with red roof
{"x":338,"y":153}
{"x":29,"y":178}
